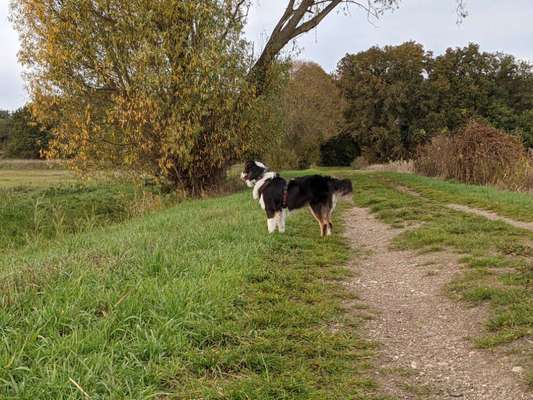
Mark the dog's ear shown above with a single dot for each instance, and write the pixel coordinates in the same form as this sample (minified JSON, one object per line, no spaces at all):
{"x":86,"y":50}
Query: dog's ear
{"x":261,"y":165}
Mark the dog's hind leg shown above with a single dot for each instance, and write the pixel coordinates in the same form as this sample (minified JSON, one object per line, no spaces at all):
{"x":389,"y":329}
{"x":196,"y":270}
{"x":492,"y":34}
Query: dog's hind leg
{"x":318,"y":212}
{"x":330,"y":224}
{"x":271,"y":221}
{"x":326,"y":217}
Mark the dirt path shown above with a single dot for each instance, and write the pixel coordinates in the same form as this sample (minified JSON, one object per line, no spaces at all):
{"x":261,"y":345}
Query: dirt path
{"x":477,"y":211}
{"x":492,"y":216}
{"x":424,"y":349}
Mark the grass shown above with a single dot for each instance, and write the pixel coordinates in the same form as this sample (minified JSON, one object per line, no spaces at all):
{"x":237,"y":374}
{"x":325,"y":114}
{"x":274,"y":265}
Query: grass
{"x":33,"y":165}
{"x":192,"y":302}
{"x":506,"y":203}
{"x":497,"y":257}
{"x":31,"y":215}
{"x":101,"y":300}
{"x":36,"y":178}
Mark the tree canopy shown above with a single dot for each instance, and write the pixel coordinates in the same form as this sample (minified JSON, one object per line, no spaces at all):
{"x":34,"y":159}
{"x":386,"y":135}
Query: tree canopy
{"x":399,"y":96}
{"x":312,"y":105}
{"x":169,"y":87}
{"x":156,"y":86}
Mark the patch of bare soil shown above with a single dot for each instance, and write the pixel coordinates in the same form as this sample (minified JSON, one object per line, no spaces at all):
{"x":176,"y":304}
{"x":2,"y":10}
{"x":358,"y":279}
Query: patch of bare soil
{"x":492,"y":216}
{"x":423,"y":336}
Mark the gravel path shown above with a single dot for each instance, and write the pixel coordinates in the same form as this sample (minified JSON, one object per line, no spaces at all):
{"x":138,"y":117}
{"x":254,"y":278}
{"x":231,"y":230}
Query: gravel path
{"x":424,"y":351}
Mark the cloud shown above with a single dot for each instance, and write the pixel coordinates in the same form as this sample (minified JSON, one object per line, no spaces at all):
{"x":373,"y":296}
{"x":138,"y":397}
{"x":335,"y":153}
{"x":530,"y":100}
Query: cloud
{"x":495,"y":25}
{"x":12,"y":92}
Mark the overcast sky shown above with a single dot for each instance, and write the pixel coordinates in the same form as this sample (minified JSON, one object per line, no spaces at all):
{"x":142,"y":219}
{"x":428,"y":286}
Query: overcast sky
{"x":496,"y":25}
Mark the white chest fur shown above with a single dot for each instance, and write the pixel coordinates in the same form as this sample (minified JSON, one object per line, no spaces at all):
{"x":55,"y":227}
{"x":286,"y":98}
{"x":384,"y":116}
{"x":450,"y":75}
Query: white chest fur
{"x":261,"y":182}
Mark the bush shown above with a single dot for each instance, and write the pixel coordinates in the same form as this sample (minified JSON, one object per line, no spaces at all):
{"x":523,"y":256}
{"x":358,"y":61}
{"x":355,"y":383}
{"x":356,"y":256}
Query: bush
{"x":477,"y":153}
{"x":359,"y":163}
{"x":340,"y":150}
{"x":26,"y":137}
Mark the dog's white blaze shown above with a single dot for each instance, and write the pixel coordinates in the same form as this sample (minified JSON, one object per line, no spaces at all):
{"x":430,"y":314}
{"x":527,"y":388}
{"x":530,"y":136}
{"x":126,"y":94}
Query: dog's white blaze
{"x":260,"y":182}
{"x":250,"y":183}
{"x":260,"y":164}
{"x":271,"y":224}
{"x":262,"y":202}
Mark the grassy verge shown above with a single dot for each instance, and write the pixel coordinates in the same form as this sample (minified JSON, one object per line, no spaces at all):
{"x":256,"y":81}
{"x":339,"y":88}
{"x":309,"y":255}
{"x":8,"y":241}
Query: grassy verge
{"x":506,"y":203}
{"x":497,"y":257}
{"x":192,"y":302}
{"x":30,"y":215}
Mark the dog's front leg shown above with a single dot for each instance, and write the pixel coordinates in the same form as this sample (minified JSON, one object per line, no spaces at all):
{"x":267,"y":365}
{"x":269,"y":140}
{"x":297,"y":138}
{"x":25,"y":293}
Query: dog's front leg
{"x":271,"y":224}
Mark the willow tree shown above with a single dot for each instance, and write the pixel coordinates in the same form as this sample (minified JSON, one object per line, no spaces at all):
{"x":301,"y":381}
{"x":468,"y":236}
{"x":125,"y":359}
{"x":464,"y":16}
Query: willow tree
{"x":155,"y":86}
{"x":165,"y":87}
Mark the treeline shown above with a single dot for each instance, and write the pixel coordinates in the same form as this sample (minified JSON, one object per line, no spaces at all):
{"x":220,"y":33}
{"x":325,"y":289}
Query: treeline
{"x":394,"y":99}
{"x":20,"y":135}
{"x":382,"y":103}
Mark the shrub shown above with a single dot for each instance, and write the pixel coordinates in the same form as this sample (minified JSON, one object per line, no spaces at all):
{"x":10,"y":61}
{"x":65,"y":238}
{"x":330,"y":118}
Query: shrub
{"x":359,"y":163}
{"x":403,"y":166}
{"x":477,"y":153}
{"x":340,"y":150}
{"x":26,"y":137}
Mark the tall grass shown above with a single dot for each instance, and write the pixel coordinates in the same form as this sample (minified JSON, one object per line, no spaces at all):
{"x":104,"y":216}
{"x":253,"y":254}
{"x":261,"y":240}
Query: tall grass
{"x":193,"y":302}
{"x":32,"y":215}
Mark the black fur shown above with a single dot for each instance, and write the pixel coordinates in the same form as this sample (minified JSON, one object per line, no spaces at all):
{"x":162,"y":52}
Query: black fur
{"x":317,"y":191}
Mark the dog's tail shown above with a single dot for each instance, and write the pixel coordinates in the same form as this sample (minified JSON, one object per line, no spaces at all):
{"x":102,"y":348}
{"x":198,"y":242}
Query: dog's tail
{"x":342,"y":186}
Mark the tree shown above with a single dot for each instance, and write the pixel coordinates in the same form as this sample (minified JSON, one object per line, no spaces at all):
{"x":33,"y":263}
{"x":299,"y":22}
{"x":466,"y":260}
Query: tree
{"x":385,"y":90}
{"x":158,"y":87}
{"x":400,"y":96}
{"x":299,"y":17}
{"x":162,"y":87}
{"x":313,"y":108}
{"x":468,"y":83}
{"x":4,"y":127}
{"x":339,"y":150}
{"x":27,"y":139}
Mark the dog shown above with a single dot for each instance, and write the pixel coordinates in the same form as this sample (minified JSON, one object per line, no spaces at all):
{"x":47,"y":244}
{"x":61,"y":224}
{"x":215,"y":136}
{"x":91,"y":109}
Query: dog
{"x":277,"y":196}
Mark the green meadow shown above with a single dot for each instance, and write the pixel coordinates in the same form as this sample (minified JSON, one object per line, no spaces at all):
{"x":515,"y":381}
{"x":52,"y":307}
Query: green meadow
{"x":111,"y":292}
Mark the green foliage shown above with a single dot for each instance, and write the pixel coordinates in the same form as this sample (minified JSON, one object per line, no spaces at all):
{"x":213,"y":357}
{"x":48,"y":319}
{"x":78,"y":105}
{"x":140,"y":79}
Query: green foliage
{"x":304,"y":109}
{"x":4,"y":128}
{"x":26,"y":138}
{"x":400,"y":96}
{"x":339,"y":150}
{"x":384,"y":89}
{"x":313,"y":112}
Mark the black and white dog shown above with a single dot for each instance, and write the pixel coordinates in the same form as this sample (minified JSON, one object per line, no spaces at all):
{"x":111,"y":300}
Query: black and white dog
{"x":277,"y":196}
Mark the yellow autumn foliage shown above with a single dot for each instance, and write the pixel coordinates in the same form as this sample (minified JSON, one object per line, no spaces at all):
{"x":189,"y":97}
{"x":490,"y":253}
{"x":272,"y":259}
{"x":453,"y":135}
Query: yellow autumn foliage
{"x":155,"y":87}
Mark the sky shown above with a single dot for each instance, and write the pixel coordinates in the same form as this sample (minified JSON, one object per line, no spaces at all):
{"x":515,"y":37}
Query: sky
{"x":495,"y":25}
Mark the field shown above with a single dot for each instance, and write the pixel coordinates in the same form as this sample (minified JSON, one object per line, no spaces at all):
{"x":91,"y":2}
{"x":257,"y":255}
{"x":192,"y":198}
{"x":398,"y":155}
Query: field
{"x":109,"y":291}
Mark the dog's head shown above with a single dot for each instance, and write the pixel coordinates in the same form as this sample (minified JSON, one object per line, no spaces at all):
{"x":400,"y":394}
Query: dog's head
{"x":253,"y":171}
{"x":342,"y":187}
